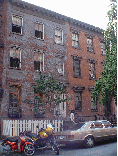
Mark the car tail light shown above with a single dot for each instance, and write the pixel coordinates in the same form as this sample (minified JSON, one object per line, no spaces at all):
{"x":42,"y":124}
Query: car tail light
{"x":70,"y":136}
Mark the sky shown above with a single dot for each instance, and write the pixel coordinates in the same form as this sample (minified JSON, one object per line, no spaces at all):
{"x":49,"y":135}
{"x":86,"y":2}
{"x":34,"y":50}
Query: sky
{"x":93,"y":12}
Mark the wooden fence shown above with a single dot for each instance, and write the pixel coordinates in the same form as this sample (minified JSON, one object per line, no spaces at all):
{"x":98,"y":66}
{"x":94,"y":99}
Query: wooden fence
{"x":14,"y":127}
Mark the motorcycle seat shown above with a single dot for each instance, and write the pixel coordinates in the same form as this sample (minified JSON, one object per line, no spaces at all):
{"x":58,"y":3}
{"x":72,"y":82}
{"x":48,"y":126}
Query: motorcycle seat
{"x":12,"y":139}
{"x":31,"y":135}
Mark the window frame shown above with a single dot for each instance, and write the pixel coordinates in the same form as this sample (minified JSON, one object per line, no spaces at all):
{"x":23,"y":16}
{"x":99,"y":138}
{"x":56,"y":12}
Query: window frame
{"x":41,"y":62}
{"x":19,"y":96}
{"x":60,"y":59}
{"x":74,"y":40}
{"x":92,"y":75}
{"x":103,"y":50}
{"x":20,"y":52}
{"x":17,"y":16}
{"x":79,"y":101}
{"x":95,"y":107}
{"x":55,"y":35}
{"x":75,"y":60}
{"x":39,"y":23}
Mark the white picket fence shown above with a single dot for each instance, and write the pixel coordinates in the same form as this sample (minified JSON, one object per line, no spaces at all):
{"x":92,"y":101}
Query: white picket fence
{"x":14,"y":127}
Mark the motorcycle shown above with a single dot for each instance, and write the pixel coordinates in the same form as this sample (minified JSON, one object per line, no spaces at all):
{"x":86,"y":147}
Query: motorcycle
{"x":11,"y":144}
{"x":44,"y":137}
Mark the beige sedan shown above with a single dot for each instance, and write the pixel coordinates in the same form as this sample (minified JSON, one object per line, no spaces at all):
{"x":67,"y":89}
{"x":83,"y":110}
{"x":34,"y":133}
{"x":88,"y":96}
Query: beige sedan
{"x":89,"y":133}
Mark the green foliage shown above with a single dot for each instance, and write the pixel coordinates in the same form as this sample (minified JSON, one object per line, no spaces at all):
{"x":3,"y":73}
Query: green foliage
{"x":106,"y":86}
{"x":51,"y":88}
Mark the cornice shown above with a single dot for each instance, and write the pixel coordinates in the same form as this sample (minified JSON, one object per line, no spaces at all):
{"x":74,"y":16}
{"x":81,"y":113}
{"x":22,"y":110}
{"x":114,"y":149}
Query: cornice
{"x":53,"y":14}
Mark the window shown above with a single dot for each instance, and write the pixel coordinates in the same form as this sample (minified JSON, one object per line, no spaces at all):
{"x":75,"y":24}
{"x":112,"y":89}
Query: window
{"x":60,"y":109}
{"x":58,"y":36}
{"x":103,"y":50}
{"x":74,"y":40}
{"x":38,"y":102}
{"x":90,"y":44}
{"x":15,"y":57}
{"x":17,"y":24}
{"x":107,"y":124}
{"x":78,"y":101}
{"x":39,"y":30}
{"x":59,"y":65}
{"x":14,"y":97}
{"x":76,"y":66}
{"x":98,"y":124}
{"x":93,"y":107}
{"x":38,"y":60}
{"x":91,"y":70}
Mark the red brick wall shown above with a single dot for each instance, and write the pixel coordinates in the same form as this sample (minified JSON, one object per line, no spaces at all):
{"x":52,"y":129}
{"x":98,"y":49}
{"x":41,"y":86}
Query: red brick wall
{"x":84,"y":81}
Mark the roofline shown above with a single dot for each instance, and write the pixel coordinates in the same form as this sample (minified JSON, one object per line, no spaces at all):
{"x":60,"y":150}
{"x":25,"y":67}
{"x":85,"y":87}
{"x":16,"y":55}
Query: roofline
{"x":32,"y":7}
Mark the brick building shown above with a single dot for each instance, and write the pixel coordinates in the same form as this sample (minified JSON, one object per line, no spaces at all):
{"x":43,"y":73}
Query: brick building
{"x":36,"y":39}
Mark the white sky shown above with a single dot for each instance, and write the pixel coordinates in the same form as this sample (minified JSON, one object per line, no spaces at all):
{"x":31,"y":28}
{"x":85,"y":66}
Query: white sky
{"x":93,"y":12}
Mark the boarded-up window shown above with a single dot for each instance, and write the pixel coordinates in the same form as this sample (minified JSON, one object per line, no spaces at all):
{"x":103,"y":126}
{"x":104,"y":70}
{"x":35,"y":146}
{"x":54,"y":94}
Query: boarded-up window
{"x":17,"y":24}
{"x":15,"y":57}
{"x":39,"y":30}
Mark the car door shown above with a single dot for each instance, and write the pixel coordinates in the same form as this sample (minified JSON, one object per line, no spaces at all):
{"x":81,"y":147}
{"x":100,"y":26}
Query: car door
{"x":97,"y":130}
{"x":111,"y":132}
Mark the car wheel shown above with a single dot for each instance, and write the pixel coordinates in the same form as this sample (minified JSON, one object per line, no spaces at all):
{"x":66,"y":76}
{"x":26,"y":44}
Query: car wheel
{"x":89,"y":142}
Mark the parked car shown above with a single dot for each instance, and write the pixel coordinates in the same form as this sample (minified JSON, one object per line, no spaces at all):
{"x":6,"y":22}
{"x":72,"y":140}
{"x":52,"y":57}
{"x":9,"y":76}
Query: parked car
{"x":89,"y":133}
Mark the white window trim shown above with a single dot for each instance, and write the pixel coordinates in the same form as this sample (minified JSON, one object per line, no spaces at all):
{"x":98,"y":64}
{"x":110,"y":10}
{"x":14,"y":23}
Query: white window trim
{"x":43,"y":30}
{"x":43,"y":61}
{"x":21,"y":24}
{"x":20,"y":50}
{"x":57,"y":28}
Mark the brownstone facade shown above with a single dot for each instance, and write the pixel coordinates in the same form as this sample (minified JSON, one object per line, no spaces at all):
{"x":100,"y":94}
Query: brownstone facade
{"x":37,"y":39}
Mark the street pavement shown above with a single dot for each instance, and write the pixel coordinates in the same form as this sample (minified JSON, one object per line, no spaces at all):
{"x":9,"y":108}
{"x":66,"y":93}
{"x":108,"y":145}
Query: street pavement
{"x":108,"y":148}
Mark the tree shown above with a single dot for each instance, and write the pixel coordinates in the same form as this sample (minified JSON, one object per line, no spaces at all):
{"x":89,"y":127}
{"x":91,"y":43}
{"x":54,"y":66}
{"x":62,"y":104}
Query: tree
{"x":51,"y":88}
{"x":106,"y":86}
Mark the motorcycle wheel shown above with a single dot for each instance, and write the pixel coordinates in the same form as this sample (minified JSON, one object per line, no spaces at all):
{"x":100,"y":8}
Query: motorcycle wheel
{"x":29,"y":149}
{"x":55,"y":149}
{"x":6,"y":148}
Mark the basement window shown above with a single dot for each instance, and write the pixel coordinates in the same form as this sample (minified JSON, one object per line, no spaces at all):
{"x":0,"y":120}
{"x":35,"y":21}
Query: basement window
{"x":15,"y":57}
{"x":38,"y":60}
{"x":17,"y":24}
{"x":39,"y":30}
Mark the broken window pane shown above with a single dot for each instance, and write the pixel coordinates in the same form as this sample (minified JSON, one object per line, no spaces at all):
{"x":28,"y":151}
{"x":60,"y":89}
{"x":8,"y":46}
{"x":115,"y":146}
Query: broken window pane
{"x":38,"y":61}
{"x":17,"y":24}
{"x":58,"y":36}
{"x":15,"y":60}
{"x":39,"y":30}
